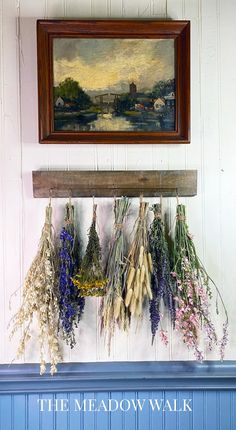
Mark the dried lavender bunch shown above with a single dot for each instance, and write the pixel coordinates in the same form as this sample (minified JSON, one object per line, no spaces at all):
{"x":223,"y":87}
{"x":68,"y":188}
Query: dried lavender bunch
{"x":70,"y":303}
{"x":112,"y":307}
{"x":138,"y":266}
{"x":40,"y":299}
{"x":193,"y":292}
{"x":90,"y":280}
{"x":161,"y":280}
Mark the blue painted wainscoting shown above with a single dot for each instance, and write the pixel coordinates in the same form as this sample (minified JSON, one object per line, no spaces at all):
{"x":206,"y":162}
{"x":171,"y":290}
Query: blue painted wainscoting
{"x":119,"y":396}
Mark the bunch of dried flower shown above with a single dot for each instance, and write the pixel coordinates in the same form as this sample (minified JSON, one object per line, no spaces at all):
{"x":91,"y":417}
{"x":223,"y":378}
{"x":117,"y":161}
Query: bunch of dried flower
{"x":90,"y":280}
{"x":193,"y":292}
{"x":71,"y":304}
{"x":40,"y":299}
{"x":161,"y":280}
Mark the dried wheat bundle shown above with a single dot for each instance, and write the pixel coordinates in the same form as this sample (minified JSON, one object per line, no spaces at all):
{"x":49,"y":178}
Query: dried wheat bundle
{"x":40,"y":299}
{"x":139,"y":266}
{"x":112,"y":307}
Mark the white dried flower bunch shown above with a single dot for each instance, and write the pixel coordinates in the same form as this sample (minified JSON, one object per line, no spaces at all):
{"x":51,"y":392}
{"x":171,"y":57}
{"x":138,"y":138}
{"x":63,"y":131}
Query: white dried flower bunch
{"x":40,"y":299}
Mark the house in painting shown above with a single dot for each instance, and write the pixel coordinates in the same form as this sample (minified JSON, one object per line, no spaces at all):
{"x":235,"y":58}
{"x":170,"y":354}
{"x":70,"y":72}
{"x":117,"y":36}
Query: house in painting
{"x":59,"y":102}
{"x":170,"y":100}
{"x":158,"y":104}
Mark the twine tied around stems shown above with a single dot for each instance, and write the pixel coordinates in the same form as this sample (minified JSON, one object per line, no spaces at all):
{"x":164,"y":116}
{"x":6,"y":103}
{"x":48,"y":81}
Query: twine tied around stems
{"x":119,"y":226}
{"x":94,"y":212}
{"x":181,"y":217}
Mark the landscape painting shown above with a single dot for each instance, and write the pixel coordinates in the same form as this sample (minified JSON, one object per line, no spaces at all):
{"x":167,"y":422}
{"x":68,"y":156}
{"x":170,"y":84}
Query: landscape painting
{"x":114,"y":85}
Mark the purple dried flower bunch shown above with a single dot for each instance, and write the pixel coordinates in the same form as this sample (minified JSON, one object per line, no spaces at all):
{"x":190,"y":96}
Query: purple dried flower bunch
{"x":161,"y":280}
{"x":193,"y":293}
{"x":70,"y":303}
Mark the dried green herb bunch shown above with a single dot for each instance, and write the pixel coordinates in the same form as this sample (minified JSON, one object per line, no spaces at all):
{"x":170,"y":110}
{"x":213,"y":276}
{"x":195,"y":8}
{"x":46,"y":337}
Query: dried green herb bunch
{"x":90,"y":280}
{"x":40,"y":299}
{"x":193,"y":292}
{"x":112,"y":307}
{"x":138,"y":266}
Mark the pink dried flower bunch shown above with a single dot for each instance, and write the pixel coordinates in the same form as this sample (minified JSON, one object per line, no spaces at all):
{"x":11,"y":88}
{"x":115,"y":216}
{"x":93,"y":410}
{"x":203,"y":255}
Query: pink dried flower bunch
{"x":192,"y":313}
{"x":193,"y":293}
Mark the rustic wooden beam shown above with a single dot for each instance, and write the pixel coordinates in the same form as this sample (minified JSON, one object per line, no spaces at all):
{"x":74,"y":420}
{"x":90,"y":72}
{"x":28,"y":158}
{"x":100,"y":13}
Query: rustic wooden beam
{"x":132,"y":183}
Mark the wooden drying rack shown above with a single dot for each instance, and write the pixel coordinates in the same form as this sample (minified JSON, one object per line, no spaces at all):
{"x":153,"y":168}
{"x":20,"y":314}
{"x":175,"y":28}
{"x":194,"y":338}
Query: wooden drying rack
{"x":132,"y":183}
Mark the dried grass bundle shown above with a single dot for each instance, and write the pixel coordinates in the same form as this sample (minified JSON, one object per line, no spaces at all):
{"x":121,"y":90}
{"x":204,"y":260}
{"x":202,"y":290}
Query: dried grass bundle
{"x":112,"y":307}
{"x":139,"y":266}
{"x":40,"y":299}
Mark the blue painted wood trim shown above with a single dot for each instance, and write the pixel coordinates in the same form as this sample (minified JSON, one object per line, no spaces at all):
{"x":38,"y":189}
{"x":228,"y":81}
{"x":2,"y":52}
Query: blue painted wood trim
{"x":120,"y":376}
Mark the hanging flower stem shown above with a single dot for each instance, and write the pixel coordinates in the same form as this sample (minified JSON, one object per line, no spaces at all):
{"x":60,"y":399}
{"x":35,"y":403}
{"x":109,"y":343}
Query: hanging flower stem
{"x":40,"y":299}
{"x":161,"y":281}
{"x":138,"y":266}
{"x":112,"y":307}
{"x":70,"y":303}
{"x":90,"y":280}
{"x":193,"y":292}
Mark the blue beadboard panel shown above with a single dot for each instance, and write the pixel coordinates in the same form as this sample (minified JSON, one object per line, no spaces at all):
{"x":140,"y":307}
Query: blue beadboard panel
{"x":212,"y":410}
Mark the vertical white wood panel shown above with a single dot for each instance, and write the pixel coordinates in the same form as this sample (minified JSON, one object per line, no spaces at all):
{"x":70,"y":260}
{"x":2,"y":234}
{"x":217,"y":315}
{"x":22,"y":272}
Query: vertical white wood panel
{"x":227,"y":94}
{"x":34,"y":156}
{"x":2,"y":257}
{"x":55,"y":8}
{"x":211,"y":144}
{"x":193,"y":151}
{"x":116,"y":8}
{"x":136,"y":8}
{"x":100,"y":8}
{"x":11,"y":166}
{"x":159,"y":8}
{"x":78,"y":8}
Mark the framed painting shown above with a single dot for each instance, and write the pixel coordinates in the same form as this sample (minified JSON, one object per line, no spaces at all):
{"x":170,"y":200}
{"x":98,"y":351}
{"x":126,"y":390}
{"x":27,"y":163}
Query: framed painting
{"x":113,"y":81}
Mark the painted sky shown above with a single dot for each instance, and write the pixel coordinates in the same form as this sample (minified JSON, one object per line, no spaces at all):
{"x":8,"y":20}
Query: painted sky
{"x":112,"y":64}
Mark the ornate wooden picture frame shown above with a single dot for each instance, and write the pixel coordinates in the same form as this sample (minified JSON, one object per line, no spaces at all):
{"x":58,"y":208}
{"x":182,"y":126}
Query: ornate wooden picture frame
{"x":113,"y":81}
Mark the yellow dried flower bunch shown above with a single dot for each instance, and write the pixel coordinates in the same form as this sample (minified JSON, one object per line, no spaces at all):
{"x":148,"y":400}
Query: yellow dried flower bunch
{"x":95,"y":288}
{"x":90,"y":280}
{"x":139,"y":266}
{"x":40,"y":300}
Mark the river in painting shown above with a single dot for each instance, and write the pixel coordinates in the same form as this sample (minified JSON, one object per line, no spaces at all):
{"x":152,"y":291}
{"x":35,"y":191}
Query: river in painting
{"x":117,"y":123}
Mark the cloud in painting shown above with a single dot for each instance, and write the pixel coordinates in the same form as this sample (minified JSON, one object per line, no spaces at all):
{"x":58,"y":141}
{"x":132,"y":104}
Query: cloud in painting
{"x":111,"y":64}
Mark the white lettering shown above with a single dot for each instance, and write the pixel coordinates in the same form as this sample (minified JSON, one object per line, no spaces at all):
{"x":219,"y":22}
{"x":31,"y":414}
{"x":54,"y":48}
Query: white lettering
{"x":110,"y":405}
{"x":80,"y":406}
{"x":186,"y":405}
{"x":123,"y":401}
{"x":154,"y":403}
{"x":41,"y":402}
{"x":137,"y":404}
{"x":92,"y":405}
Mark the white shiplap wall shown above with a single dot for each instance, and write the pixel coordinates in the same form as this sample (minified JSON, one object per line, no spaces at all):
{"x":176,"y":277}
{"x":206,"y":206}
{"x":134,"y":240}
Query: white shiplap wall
{"x":212,"y":151}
